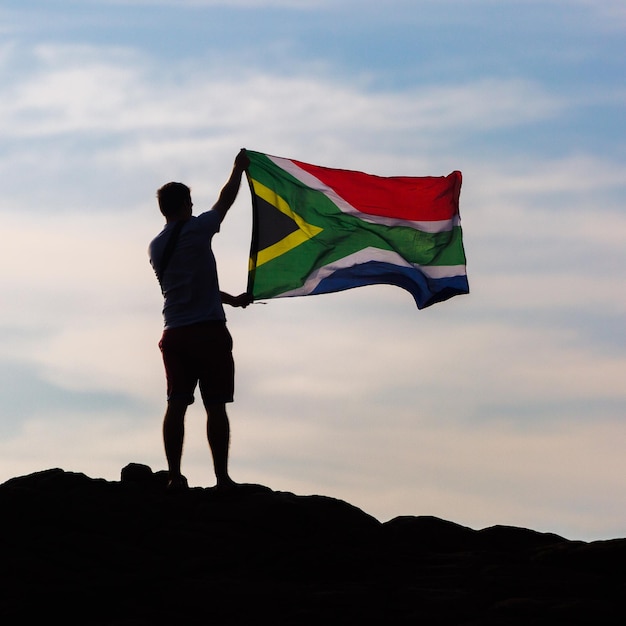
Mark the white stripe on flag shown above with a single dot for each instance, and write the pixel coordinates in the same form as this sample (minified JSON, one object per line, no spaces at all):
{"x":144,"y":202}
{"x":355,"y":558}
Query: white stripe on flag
{"x":435,"y":226}
{"x":365,"y":256}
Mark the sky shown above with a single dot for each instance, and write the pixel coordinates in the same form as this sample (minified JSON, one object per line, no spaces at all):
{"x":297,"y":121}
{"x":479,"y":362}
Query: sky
{"x":504,"y":406}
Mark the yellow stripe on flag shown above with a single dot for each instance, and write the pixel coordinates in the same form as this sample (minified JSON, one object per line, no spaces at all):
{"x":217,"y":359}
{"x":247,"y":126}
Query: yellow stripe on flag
{"x":305,"y":230}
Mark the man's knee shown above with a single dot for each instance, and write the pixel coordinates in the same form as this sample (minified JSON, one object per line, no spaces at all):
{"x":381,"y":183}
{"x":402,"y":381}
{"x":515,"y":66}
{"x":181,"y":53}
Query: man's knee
{"x":216,"y":411}
{"x":176,"y":409}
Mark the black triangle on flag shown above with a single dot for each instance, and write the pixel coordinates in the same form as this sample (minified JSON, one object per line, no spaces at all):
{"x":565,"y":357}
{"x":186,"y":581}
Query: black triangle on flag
{"x":273,"y":225}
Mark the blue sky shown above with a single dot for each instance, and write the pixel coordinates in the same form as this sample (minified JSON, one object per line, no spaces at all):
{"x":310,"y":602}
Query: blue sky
{"x":506,"y":406}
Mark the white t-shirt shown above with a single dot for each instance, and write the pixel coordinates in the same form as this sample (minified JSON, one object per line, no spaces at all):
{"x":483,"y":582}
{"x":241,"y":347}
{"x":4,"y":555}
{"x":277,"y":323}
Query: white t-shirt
{"x":190,"y":285}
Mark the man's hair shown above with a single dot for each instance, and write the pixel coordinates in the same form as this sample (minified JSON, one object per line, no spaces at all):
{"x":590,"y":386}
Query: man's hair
{"x":172,"y":196}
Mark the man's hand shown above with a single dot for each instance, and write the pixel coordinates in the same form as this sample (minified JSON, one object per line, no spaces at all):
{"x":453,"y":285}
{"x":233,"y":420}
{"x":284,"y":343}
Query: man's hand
{"x":242,"y":300}
{"x":242,"y":160}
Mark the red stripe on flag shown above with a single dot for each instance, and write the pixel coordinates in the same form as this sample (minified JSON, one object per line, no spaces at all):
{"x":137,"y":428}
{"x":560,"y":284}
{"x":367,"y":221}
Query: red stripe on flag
{"x":423,"y":198}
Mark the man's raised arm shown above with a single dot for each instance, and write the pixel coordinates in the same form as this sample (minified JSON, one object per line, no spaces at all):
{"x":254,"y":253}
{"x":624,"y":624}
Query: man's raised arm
{"x":231,"y":188}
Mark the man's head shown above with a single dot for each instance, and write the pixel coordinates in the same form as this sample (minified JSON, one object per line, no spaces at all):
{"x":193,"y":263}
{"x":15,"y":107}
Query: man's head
{"x":175,"y":201}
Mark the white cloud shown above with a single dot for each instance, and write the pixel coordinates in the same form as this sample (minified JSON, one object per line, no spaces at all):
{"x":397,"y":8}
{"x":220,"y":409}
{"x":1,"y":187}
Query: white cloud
{"x":102,"y":117}
{"x":397,"y":462}
{"x":98,"y":444}
{"x":569,"y":175}
{"x":81,"y":89}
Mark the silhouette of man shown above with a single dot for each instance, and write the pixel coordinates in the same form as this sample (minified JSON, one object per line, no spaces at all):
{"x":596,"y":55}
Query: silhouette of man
{"x":196,"y":344}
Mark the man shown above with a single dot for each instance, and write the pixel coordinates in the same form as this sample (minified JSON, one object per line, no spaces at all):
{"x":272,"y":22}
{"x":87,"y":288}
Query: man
{"x":196,"y":345}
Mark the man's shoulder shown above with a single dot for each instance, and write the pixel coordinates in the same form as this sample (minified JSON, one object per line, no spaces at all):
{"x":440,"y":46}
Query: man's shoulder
{"x":208,"y":221}
{"x":212,"y":215}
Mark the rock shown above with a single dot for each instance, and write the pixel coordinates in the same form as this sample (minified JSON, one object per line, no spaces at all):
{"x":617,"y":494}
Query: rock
{"x":79,"y":550}
{"x":137,"y":473}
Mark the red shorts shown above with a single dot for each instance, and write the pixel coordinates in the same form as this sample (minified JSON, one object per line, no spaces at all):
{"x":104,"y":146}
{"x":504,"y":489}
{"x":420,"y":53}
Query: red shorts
{"x":199,"y":353}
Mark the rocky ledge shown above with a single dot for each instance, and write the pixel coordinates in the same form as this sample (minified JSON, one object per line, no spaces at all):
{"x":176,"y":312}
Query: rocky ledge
{"x":78,"y":550}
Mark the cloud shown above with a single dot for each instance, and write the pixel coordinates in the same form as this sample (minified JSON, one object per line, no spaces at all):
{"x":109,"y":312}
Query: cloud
{"x":472,"y":473}
{"x":81,"y":89}
{"x":26,"y":392}
{"x":113,"y":119}
{"x":98,"y":442}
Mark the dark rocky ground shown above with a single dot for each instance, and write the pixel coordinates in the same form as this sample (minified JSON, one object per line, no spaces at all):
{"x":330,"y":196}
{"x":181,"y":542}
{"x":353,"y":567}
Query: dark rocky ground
{"x":77,"y":550}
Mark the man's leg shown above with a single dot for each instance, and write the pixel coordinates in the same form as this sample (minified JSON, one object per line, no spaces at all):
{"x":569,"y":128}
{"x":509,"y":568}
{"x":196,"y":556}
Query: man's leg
{"x":218,"y":434}
{"x":173,"y":436}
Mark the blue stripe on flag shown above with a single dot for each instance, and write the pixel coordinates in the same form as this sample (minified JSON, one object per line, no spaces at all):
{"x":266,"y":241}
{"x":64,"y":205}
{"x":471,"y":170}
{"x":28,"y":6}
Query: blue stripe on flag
{"x":425,"y":291}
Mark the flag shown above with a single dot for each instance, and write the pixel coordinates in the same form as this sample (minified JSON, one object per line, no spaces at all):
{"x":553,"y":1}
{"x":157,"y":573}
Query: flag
{"x":319,"y":230}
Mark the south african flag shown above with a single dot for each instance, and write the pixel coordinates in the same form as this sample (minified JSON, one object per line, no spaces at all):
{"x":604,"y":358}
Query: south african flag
{"x":319,"y":230}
